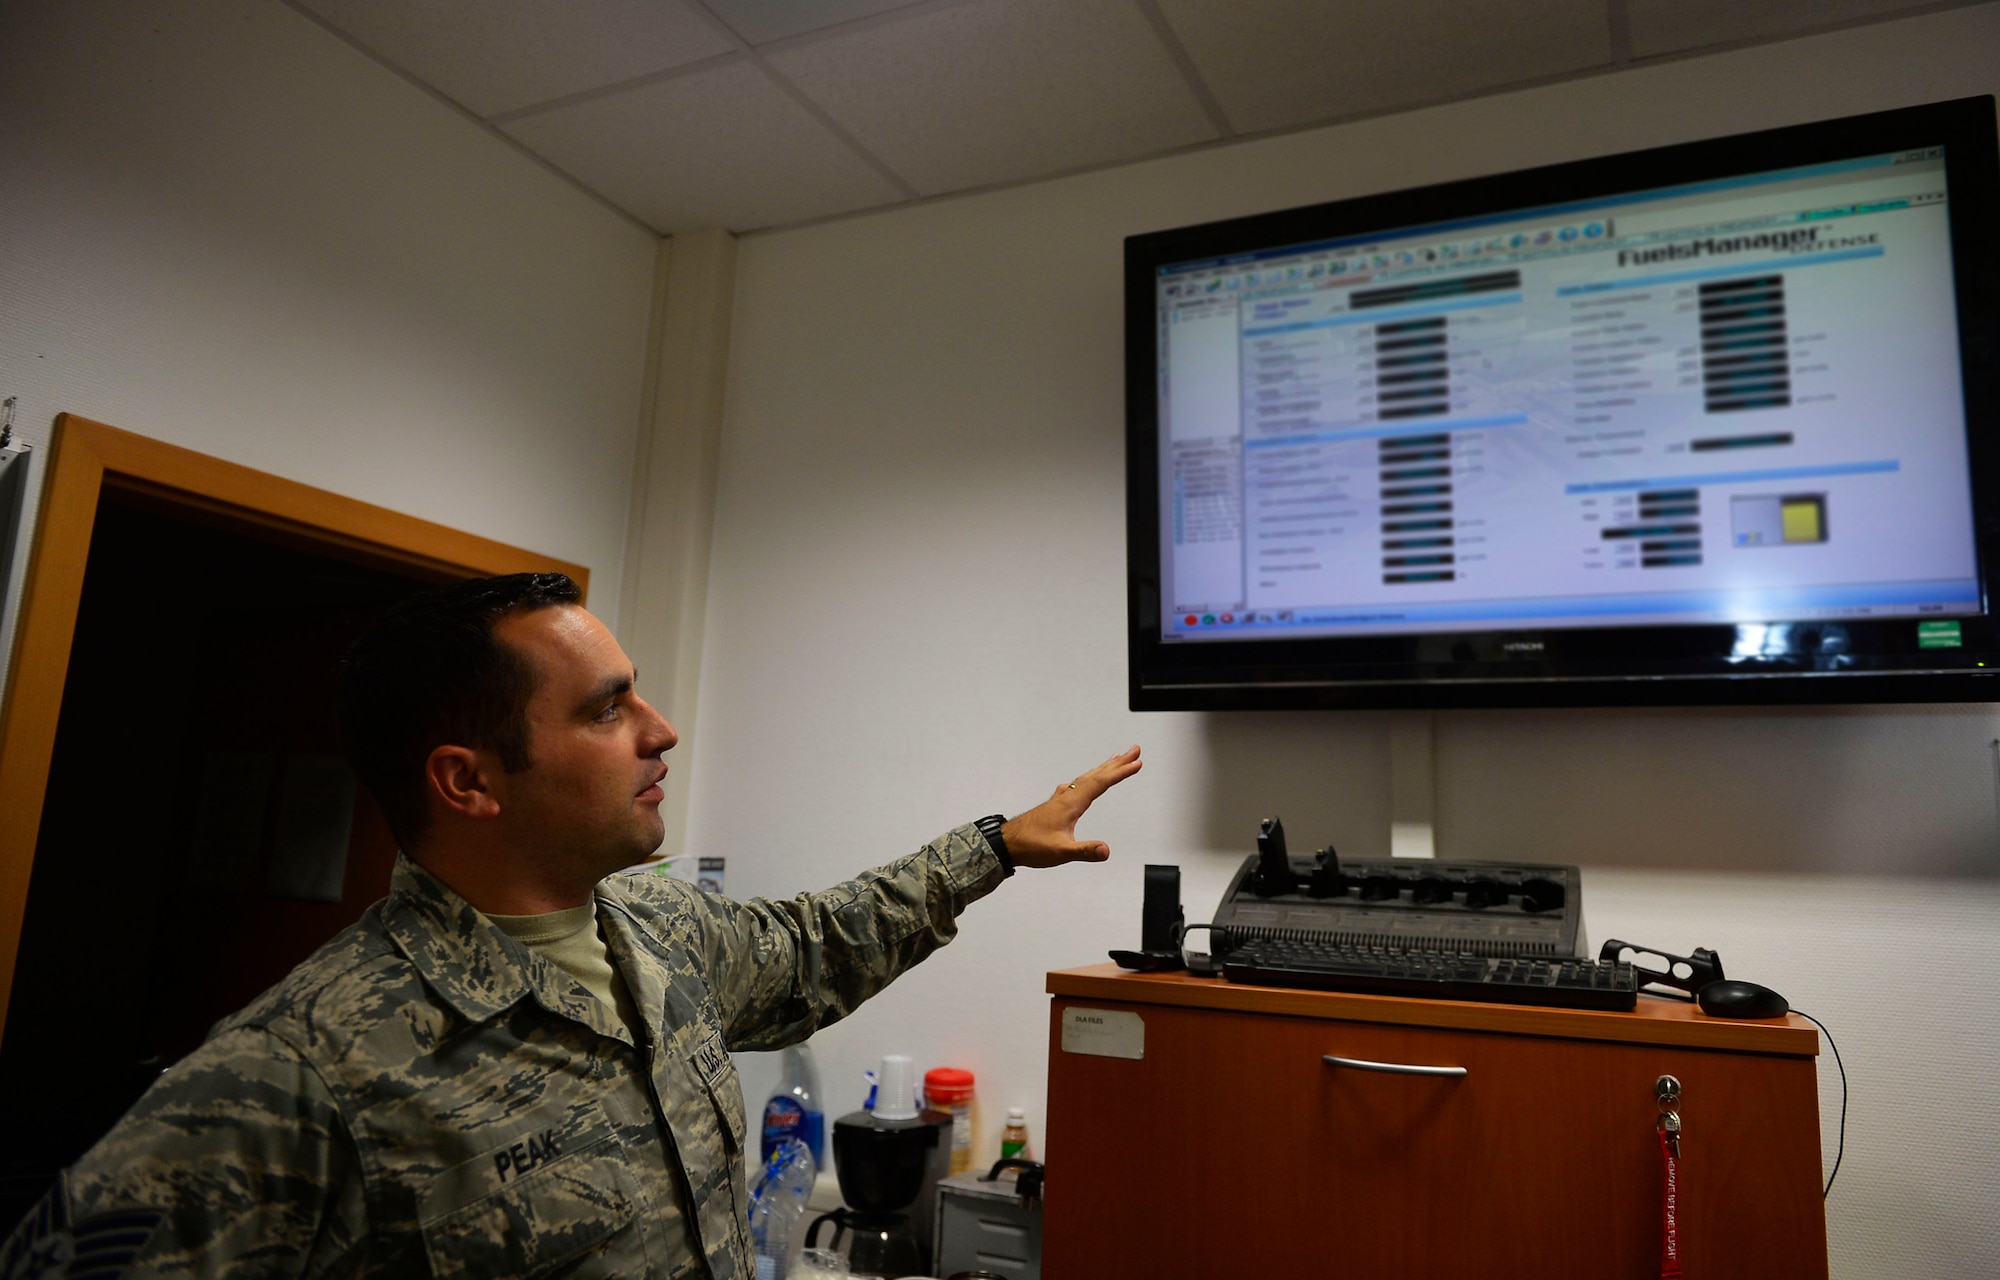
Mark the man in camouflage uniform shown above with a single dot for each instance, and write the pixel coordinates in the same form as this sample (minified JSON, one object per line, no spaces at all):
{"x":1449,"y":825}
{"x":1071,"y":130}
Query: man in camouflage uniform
{"x":429,"y":1095}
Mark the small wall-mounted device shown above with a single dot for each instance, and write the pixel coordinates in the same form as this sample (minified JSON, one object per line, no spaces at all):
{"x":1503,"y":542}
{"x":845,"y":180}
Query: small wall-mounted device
{"x":13,"y":497}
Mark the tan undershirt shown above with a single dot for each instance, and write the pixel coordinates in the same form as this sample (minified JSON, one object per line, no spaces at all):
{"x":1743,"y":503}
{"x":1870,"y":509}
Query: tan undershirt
{"x":570,"y":940}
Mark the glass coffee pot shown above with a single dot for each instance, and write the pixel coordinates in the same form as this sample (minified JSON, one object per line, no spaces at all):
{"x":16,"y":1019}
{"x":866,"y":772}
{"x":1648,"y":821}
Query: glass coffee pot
{"x":889,"y":1160}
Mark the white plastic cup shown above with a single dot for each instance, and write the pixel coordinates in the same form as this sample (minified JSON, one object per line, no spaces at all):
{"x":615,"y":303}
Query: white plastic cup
{"x":896,"y":1090}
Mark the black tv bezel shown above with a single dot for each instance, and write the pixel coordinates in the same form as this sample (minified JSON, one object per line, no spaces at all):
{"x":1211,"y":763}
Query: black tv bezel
{"x":1863,"y":661}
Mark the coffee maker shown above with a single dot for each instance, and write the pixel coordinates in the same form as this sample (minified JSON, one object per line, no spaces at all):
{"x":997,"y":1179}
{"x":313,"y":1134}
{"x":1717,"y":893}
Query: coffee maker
{"x":889,"y":1161}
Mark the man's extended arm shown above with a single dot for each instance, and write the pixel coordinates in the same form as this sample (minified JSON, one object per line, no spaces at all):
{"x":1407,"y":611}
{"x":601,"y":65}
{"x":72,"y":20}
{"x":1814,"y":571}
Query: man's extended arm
{"x":780,"y":970}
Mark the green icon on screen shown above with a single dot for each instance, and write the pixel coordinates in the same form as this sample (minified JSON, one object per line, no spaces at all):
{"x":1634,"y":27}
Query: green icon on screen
{"x":1938,"y":635}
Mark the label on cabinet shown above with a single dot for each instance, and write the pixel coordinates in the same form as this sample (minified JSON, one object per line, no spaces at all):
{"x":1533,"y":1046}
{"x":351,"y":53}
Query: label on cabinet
{"x":1105,"y":1033}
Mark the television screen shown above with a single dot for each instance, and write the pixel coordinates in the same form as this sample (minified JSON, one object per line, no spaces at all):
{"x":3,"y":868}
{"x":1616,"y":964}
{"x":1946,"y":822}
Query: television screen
{"x":1710,"y":423}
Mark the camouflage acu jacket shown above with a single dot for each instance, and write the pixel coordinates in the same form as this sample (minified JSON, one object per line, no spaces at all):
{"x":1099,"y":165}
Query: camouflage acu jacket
{"x":425,"y":1096}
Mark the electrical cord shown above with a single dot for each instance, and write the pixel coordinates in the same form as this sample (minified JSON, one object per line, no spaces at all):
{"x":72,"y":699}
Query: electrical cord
{"x":1840,"y":1146}
{"x":1840,"y":1149}
{"x":1180,"y":944}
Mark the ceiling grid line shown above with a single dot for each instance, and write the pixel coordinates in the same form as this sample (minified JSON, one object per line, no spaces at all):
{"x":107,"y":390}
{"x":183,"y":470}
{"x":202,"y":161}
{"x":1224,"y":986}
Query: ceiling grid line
{"x":766,"y":115}
{"x":1185,"y":149}
{"x":460,"y":109}
{"x":1177,"y":51}
{"x":850,"y":26}
{"x":811,"y":108}
{"x":1355,"y":117}
{"x":612,"y":90}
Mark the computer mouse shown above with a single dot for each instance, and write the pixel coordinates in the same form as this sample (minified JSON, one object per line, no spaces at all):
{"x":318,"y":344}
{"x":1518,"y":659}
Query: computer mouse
{"x":1728,"y":998}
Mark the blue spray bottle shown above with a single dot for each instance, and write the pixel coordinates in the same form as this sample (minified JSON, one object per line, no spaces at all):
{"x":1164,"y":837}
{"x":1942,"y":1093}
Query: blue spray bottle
{"x":794,"y":1108}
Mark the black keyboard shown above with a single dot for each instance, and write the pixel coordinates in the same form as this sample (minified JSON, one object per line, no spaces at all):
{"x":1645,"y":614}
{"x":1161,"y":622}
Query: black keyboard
{"x":1330,"y":966}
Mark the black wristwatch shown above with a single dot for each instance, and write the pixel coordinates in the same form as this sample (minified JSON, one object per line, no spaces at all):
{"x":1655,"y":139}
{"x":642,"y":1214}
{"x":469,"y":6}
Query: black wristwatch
{"x":989,"y":826}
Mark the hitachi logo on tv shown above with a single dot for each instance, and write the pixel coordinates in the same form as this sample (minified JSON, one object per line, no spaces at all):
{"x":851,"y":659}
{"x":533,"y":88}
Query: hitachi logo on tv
{"x":1767,"y":241}
{"x":1522,"y":646}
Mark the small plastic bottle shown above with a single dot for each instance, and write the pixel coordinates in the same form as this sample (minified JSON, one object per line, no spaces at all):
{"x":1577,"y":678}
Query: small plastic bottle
{"x":778,"y":1198}
{"x":949,"y":1089}
{"x":1014,"y":1139}
{"x":794,"y":1110}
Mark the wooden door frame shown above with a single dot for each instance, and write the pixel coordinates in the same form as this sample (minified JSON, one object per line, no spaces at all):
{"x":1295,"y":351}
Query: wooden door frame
{"x":85,"y":460}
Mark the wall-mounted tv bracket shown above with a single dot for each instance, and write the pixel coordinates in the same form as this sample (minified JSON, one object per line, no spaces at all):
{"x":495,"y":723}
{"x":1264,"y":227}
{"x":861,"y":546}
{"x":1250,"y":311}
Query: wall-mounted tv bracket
{"x":1689,"y":973}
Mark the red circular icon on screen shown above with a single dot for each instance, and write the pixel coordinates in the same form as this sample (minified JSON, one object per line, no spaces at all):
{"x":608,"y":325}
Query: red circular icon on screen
{"x":1191,"y":620}
{"x":1229,"y":617}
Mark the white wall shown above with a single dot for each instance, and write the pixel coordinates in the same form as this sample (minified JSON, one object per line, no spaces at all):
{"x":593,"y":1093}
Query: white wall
{"x":916,"y":617}
{"x":222,"y":227}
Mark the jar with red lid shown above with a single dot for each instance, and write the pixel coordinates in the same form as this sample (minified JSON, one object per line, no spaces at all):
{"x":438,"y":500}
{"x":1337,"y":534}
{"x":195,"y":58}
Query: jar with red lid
{"x":949,"y":1089}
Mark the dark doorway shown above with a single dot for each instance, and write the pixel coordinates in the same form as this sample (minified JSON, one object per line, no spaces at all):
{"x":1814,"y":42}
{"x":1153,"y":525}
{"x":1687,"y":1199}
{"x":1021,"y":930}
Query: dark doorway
{"x":200,"y":835}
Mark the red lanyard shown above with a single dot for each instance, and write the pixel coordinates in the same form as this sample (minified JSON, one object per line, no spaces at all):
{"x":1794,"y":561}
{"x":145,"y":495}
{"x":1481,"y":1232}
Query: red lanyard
{"x":1667,"y":1092}
{"x":1670,"y":1239}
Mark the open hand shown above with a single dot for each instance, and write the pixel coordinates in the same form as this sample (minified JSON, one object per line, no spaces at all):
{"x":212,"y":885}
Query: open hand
{"x":1045,"y":836}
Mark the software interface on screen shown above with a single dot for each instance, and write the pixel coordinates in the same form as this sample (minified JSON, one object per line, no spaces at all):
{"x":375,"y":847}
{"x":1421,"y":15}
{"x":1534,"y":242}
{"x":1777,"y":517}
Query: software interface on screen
{"x":1731,"y":401}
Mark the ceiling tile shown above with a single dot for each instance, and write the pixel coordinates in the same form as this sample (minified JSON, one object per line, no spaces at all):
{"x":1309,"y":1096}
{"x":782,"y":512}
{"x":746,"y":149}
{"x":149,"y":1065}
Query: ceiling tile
{"x":1666,"y":26}
{"x":993,"y":91}
{"x":1278,"y":63}
{"x":492,"y":56}
{"x":762,"y":21}
{"x":719,"y":147}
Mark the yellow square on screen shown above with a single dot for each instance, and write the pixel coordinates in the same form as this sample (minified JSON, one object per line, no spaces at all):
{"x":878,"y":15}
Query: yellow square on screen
{"x":1801,"y":521}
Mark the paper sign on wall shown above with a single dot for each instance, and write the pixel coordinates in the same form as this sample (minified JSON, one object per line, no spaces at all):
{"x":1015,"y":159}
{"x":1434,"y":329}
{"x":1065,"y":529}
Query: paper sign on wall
{"x":1106,"y":1033}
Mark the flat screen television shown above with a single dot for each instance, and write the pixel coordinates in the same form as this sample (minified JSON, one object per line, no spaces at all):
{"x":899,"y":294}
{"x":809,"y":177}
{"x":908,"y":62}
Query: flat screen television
{"x":1712,"y":423}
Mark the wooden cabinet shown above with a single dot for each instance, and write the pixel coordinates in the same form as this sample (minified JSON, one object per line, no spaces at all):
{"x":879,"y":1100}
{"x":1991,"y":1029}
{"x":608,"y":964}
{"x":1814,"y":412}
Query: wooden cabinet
{"x":1231,"y":1148}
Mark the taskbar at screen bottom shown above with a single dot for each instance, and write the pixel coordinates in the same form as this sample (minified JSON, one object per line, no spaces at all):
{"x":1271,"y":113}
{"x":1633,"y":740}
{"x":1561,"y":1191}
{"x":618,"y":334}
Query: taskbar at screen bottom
{"x":1873,"y":602}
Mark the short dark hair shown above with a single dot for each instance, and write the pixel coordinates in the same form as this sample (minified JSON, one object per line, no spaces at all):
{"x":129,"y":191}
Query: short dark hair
{"x":431,"y":673}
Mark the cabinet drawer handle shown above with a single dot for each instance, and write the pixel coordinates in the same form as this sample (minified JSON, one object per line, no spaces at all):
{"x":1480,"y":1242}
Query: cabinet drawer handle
{"x":1392,"y":1068}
